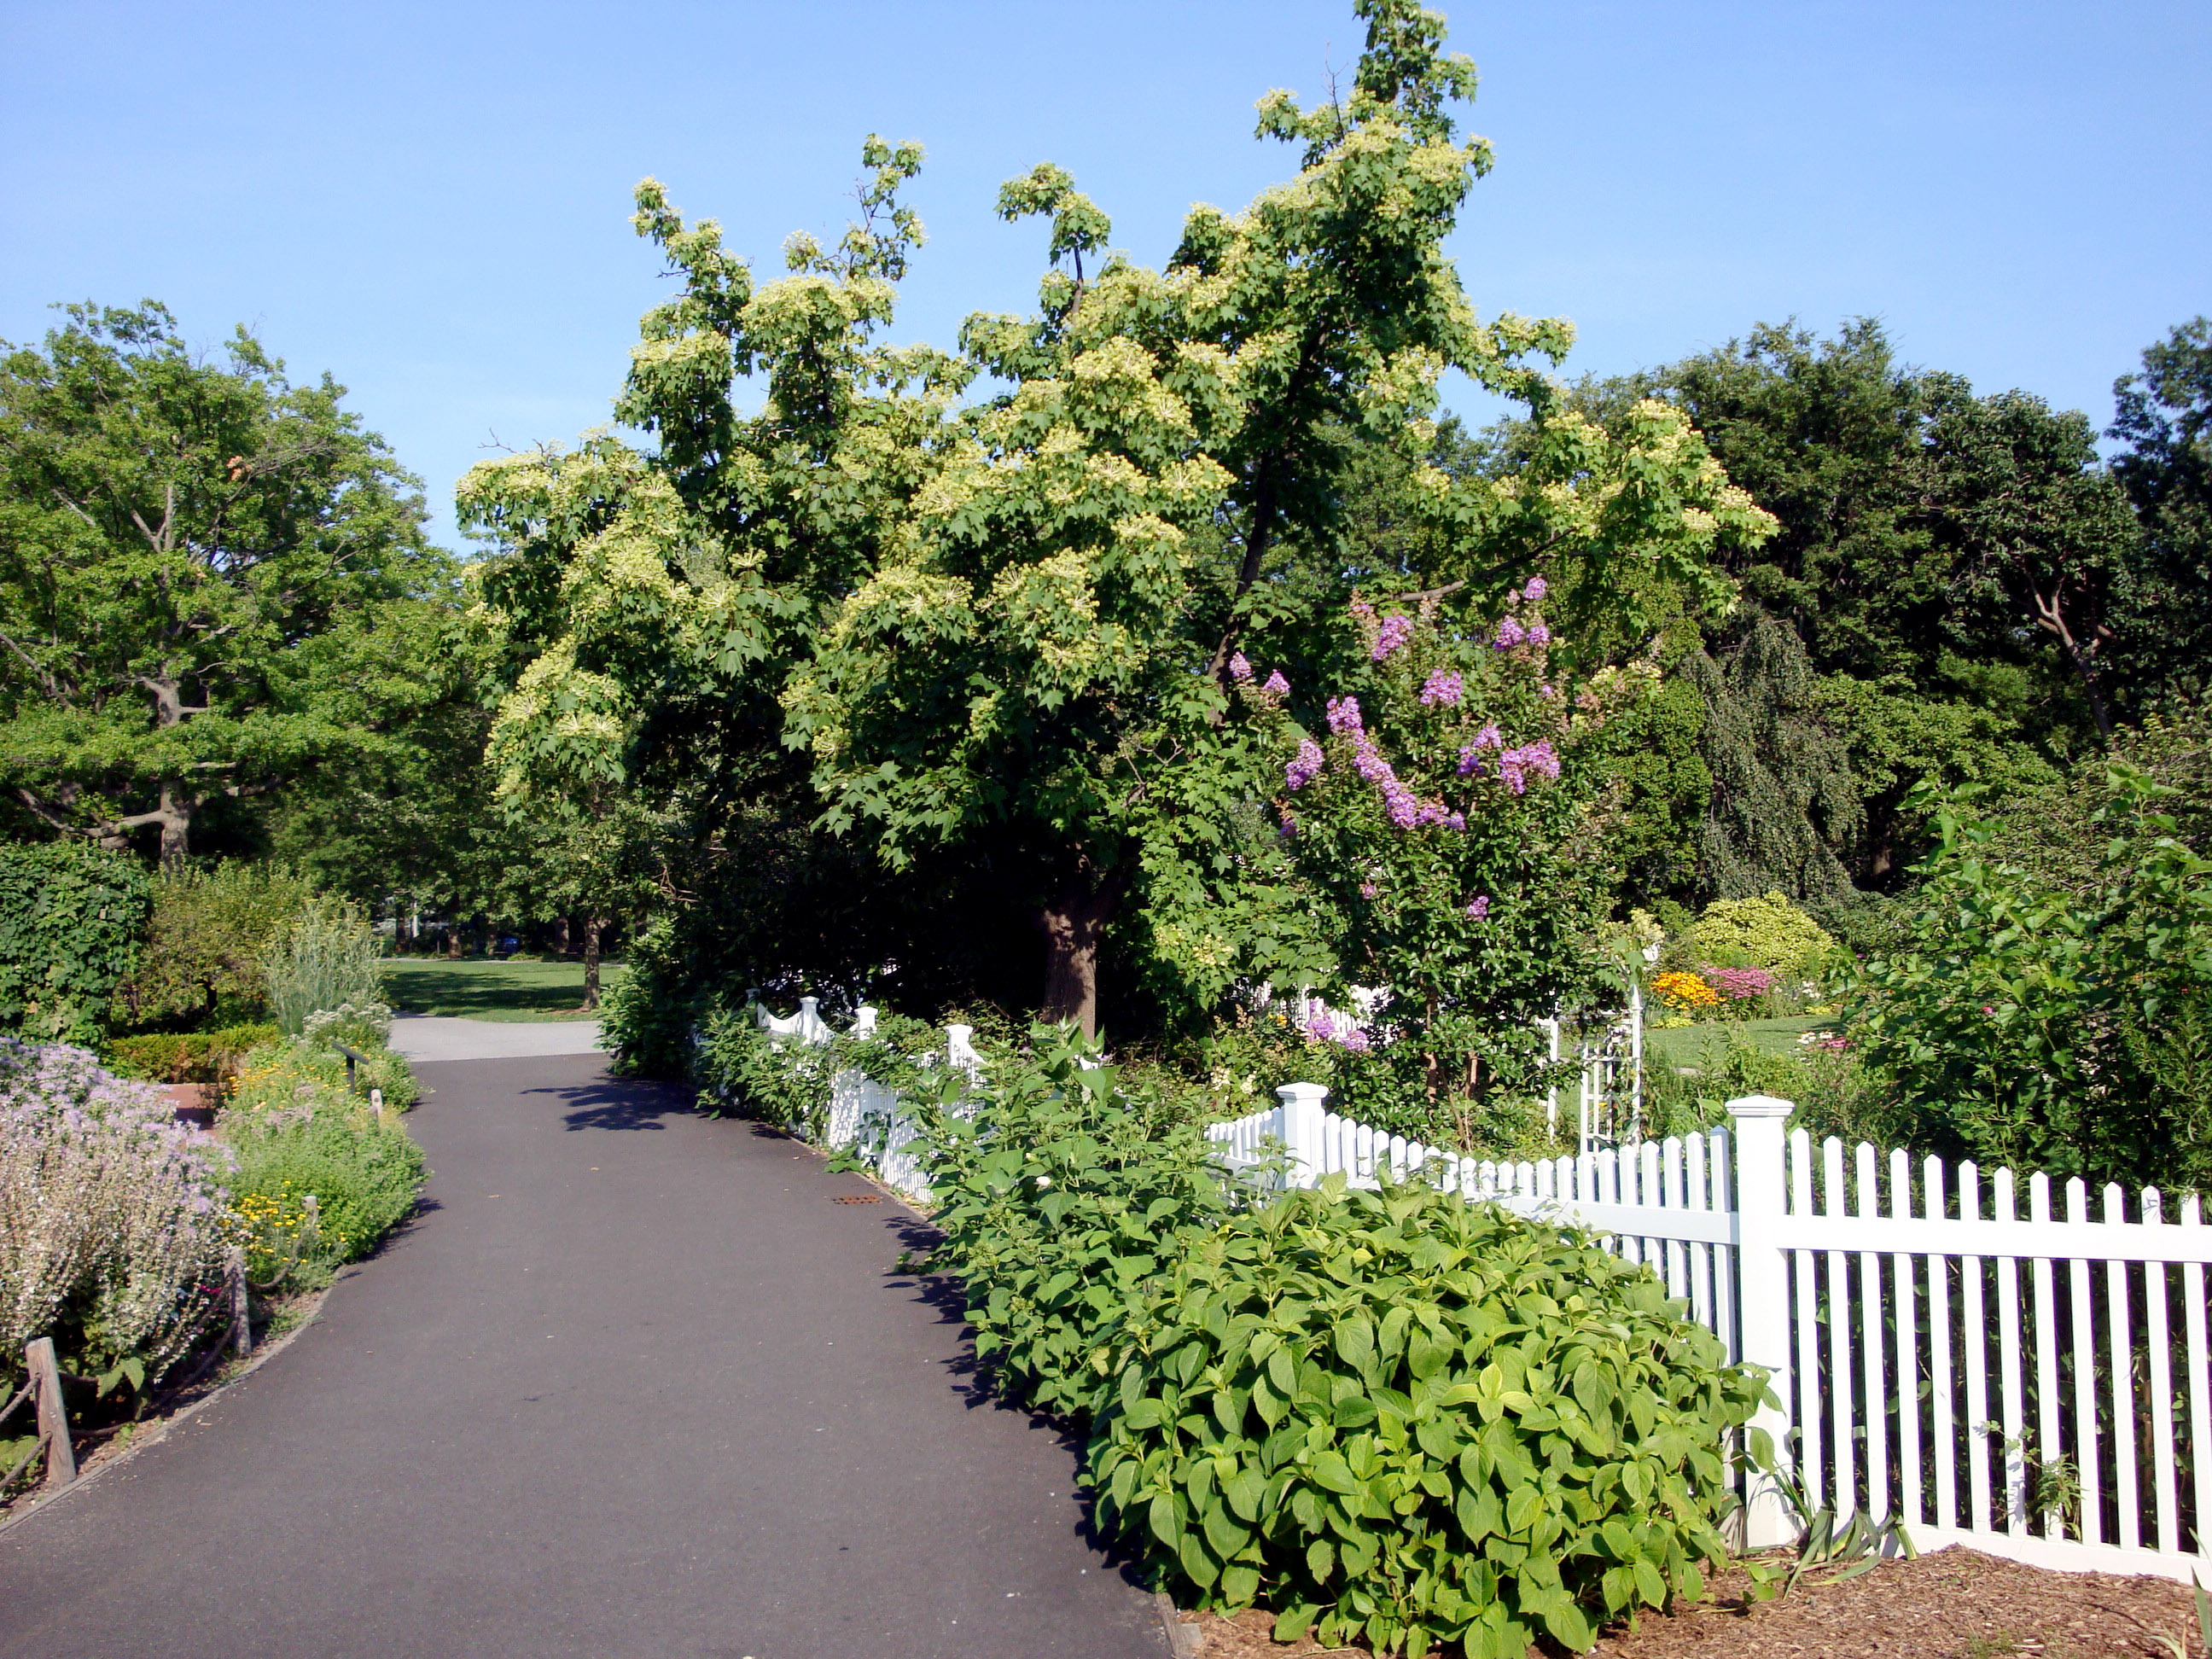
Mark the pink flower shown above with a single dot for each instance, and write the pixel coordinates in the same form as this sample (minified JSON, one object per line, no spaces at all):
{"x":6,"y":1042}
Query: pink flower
{"x":1510,"y":634}
{"x":1343,"y":715}
{"x":1240,"y":667}
{"x":1535,"y":590}
{"x":1303,"y":770}
{"x":1480,"y":909}
{"x":1367,"y":889}
{"x":1393,"y":633}
{"x":1277,"y":686}
{"x":1539,"y":635}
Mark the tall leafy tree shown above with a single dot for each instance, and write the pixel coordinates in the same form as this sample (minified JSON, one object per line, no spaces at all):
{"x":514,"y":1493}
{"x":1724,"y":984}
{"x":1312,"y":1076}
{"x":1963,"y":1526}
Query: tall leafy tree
{"x":2164,"y":415}
{"x":1004,"y":632}
{"x":213,"y":582}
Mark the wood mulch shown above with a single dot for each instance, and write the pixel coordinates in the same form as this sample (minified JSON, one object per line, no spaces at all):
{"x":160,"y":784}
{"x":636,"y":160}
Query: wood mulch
{"x":1952,"y":1604}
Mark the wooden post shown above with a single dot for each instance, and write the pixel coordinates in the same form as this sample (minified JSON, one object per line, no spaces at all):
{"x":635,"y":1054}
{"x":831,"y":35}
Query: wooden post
{"x":53,"y":1414}
{"x":311,"y":1220}
{"x":242,"y":1305}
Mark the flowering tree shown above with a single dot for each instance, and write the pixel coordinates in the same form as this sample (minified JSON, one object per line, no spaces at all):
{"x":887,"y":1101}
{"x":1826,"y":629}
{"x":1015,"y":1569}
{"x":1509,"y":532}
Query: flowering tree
{"x":1004,"y":633}
{"x":1448,"y":819}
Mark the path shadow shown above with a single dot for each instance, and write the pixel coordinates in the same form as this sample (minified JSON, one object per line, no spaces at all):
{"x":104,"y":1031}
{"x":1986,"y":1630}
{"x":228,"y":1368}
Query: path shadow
{"x":609,"y":1104}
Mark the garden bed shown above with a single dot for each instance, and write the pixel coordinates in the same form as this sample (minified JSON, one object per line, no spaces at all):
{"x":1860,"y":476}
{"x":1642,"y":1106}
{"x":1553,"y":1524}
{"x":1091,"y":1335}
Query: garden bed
{"x":1953,"y":1604}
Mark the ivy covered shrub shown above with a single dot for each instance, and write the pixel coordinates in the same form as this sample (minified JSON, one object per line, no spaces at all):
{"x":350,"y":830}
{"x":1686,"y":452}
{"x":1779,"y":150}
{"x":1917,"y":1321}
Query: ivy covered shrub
{"x":72,"y":921}
{"x":1065,"y":1194}
{"x":1398,"y":1417}
{"x":646,"y":1015}
{"x":209,"y":928}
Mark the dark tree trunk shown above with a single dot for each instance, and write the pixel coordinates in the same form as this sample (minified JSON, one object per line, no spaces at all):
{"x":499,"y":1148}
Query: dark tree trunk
{"x":560,"y":936}
{"x":1072,"y":927}
{"x":592,"y":925}
{"x":453,"y":939}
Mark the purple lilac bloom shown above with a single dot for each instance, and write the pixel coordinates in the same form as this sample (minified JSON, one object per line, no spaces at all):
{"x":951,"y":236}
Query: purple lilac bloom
{"x":1510,"y":635}
{"x":1535,"y":590}
{"x":1539,"y":635}
{"x":1277,"y":686}
{"x":1480,"y":909}
{"x":1307,"y":767}
{"x":1443,"y":686}
{"x":1343,"y":715}
{"x":1395,"y":632}
{"x":1240,"y":666}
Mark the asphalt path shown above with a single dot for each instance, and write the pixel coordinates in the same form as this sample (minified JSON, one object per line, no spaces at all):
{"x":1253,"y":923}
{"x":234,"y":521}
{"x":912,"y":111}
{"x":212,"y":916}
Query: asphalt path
{"x":632,"y":1384}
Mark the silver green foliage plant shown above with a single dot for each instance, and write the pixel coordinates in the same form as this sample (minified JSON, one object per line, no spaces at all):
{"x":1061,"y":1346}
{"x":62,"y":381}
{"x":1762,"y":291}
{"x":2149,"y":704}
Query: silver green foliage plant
{"x":326,"y":961}
{"x":111,"y":1215}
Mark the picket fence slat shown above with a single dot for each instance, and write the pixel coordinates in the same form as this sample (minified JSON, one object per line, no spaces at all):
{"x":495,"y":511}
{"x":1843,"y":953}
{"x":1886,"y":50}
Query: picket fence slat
{"x":2161,"y":1390}
{"x":1945,"y":1447}
{"x":1878,"y":1393}
{"x":1910,"y":1506}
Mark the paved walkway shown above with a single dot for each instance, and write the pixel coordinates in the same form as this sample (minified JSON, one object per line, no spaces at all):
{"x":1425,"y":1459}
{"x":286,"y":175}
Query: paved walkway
{"x":633,"y":1385}
{"x":436,"y":1037}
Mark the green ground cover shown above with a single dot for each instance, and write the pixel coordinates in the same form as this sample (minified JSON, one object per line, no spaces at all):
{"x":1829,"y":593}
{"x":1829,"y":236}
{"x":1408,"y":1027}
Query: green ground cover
{"x":1685,"y":1045}
{"x":485,"y":988}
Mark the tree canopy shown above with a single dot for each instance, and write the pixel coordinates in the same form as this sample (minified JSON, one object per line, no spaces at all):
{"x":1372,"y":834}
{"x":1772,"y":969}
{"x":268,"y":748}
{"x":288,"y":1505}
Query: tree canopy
{"x":213,"y":582}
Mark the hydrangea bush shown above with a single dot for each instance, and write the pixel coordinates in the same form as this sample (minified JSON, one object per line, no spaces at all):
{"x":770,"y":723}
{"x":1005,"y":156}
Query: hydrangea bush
{"x":113,"y":1219}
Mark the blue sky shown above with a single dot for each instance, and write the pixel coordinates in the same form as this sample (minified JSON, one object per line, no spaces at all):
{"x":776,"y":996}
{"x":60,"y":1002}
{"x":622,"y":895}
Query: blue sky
{"x":430,"y":201}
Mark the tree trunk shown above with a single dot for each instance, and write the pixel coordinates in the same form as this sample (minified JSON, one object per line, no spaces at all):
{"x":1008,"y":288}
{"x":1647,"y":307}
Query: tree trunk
{"x":453,"y":939}
{"x":560,"y":936}
{"x":1071,"y":926}
{"x":592,"y":925}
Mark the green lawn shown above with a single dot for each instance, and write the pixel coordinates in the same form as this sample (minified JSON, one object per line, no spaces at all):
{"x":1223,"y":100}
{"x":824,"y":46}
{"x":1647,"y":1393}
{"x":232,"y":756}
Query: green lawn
{"x":486,"y":989}
{"x":1685,"y":1045}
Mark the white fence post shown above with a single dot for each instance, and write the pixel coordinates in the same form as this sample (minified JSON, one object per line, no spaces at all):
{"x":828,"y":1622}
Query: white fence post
{"x":1763,"y":1298}
{"x":1301,"y":1115}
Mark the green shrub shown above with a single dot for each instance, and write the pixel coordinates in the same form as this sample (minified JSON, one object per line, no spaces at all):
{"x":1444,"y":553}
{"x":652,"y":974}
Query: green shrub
{"x":646,"y":1016}
{"x":785,"y":1082}
{"x":296,"y":1129}
{"x":1769,"y":932}
{"x":1062,"y":1195}
{"x":204,"y":944}
{"x":327,"y":961}
{"x":72,"y":920}
{"x":187,"y":1056}
{"x":1399,"y":1417}
{"x":2066,"y":1029}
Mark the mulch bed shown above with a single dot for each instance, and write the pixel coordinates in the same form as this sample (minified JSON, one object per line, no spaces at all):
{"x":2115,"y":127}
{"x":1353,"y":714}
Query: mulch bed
{"x":1953,"y":1604}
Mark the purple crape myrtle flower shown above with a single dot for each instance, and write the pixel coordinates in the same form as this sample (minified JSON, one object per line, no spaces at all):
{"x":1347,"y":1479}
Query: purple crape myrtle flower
{"x":1277,"y":686}
{"x":1470,"y":757}
{"x":1516,"y":765}
{"x":1510,"y":634}
{"x":1307,"y":767}
{"x":1405,"y":805}
{"x":1356,"y":1040}
{"x":1290,"y":824}
{"x":1393,"y":633}
{"x":1367,"y":760}
{"x":1539,"y":635}
{"x":1367,"y":889}
{"x":1456,"y":820}
{"x":1240,"y":667}
{"x":1443,"y":687}
{"x":1480,"y":909}
{"x":1535,"y":589}
{"x":1344,"y":715}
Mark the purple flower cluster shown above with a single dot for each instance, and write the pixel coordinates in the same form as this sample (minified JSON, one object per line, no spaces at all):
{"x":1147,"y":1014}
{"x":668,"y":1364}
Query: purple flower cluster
{"x":1737,"y":984}
{"x":1277,"y":686}
{"x":1515,"y":765}
{"x":1480,"y":909}
{"x":1240,"y":667}
{"x":1470,"y":757}
{"x":1367,"y":761}
{"x":1367,"y":889}
{"x":1535,"y":590}
{"x":1307,"y":767}
{"x":1393,"y":633}
{"x":1539,"y":635}
{"x":1443,"y":686}
{"x":1510,"y":634}
{"x":1344,"y":715}
{"x":1324,"y":1026}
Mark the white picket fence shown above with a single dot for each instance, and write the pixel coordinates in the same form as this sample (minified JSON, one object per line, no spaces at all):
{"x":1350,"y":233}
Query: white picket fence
{"x":863,"y":1114}
{"x":2035,"y":1386}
